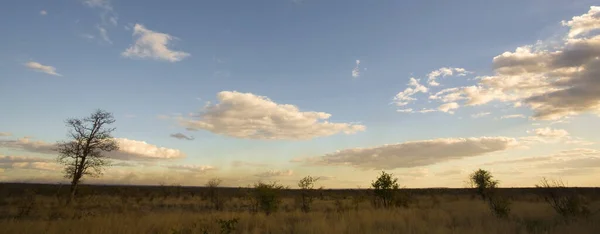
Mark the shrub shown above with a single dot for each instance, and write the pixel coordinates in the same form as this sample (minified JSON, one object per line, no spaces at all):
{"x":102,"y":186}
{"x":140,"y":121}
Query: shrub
{"x":566,"y":202}
{"x":227,"y":225}
{"x":266,"y":197}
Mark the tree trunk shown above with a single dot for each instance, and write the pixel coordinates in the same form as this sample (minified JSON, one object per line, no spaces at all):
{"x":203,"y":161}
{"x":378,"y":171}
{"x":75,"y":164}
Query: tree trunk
{"x":73,"y":190}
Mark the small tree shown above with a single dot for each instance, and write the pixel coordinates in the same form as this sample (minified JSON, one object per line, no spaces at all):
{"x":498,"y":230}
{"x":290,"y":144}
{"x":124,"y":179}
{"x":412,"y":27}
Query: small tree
{"x":267,"y":197}
{"x":483,"y":182}
{"x":83,"y":153}
{"x":485,"y":186}
{"x":385,"y":188}
{"x":213,"y":192}
{"x":306,"y":184}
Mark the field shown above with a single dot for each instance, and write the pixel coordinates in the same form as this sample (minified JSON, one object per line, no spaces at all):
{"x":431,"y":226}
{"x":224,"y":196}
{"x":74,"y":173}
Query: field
{"x":39,"y":208}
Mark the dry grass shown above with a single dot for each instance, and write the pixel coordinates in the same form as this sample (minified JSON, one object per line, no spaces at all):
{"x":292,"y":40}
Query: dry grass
{"x":336,"y":212}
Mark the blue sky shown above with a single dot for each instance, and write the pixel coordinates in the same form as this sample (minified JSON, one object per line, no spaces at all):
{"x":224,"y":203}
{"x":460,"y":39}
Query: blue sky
{"x":154,"y":64}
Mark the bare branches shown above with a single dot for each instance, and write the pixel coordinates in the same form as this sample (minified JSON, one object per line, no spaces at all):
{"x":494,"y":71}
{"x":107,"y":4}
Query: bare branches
{"x":83,"y":153}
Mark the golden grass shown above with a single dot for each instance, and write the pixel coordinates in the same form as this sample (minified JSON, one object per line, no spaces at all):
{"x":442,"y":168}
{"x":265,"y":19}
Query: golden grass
{"x":443,"y":213}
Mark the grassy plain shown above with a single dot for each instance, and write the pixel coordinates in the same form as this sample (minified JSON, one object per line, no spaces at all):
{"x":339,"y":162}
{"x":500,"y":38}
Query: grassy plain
{"x":37,"y":208}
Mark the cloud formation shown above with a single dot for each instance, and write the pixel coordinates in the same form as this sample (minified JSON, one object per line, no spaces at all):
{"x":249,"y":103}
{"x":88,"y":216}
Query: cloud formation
{"x":356,"y":70}
{"x":32,"y":163}
{"x":480,"y":114}
{"x":2,"y":134}
{"x":413,"y":153}
{"x":43,"y":12}
{"x":512,"y":116}
{"x":192,"y":168}
{"x":448,"y":107}
{"x":405,"y":97}
{"x":245,"y":115}
{"x":274,"y":173}
{"x":181,"y":136}
{"x":555,"y":81}
{"x":50,"y":70}
{"x":443,"y":72}
{"x":104,"y":34}
{"x":153,"y":45}
{"x":128,"y":149}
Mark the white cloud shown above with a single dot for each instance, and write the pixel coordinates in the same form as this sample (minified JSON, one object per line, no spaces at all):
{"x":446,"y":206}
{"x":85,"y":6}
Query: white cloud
{"x":43,"y":12}
{"x":104,"y":34}
{"x":512,"y":116}
{"x":555,"y":80}
{"x":566,"y":159}
{"x":140,"y":150}
{"x":153,"y":45}
{"x":245,"y":115}
{"x":448,"y":107}
{"x":408,"y":110}
{"x":181,"y":136}
{"x":480,"y":114}
{"x":275,"y":173}
{"x":413,"y":153}
{"x":356,"y":70}
{"x":128,"y":149}
{"x":585,"y":23}
{"x":42,"y":68}
{"x":443,"y":72}
{"x":405,"y":97}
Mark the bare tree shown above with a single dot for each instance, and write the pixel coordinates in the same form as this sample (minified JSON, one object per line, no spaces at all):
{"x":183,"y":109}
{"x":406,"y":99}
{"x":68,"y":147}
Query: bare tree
{"x":82,"y":154}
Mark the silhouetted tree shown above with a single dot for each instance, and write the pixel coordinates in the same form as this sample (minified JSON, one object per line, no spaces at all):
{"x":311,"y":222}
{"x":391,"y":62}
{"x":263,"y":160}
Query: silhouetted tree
{"x":83,"y":153}
{"x":213,"y":193}
{"x":307,"y":184}
{"x":385,"y":188}
{"x":483,"y":182}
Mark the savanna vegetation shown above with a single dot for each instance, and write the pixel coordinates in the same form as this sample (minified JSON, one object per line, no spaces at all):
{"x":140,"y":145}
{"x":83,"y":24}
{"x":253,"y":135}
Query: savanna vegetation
{"x":269,"y":207}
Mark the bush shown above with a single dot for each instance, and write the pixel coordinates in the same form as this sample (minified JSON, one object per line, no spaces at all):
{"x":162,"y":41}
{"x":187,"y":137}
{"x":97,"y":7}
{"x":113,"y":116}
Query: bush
{"x":267,"y":197}
{"x":483,"y":182}
{"x":566,"y":202}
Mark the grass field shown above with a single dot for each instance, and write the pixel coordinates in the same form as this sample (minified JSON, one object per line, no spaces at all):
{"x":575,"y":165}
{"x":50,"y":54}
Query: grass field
{"x":33,"y":208}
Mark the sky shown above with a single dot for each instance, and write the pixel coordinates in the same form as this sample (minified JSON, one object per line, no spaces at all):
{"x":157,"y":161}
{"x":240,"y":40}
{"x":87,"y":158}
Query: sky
{"x":276,"y":90}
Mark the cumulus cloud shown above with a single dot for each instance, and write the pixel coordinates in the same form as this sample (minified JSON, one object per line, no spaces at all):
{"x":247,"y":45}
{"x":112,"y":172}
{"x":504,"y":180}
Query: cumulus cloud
{"x":480,"y":114}
{"x":413,"y":153}
{"x":512,"y":116}
{"x":554,"y":80}
{"x":443,"y":72}
{"x":50,"y":70}
{"x":274,"y":173}
{"x":356,"y":70}
{"x":128,"y":149}
{"x":140,"y":150}
{"x":153,"y":45}
{"x":181,"y":136}
{"x":580,"y":25}
{"x":448,"y":107}
{"x":405,"y":97}
{"x":245,"y":115}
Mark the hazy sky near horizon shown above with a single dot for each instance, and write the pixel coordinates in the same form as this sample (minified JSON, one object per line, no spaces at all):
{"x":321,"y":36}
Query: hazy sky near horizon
{"x":277,"y":90}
